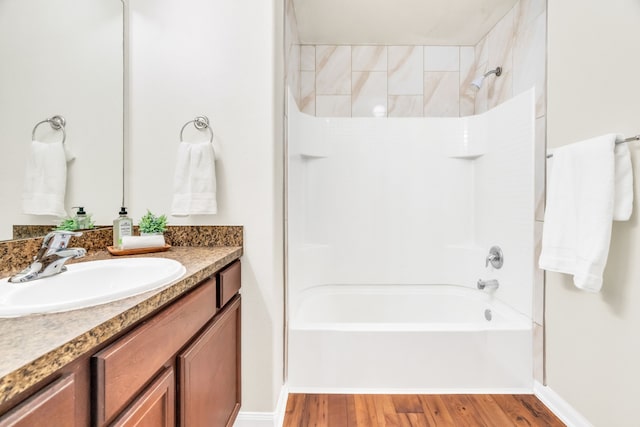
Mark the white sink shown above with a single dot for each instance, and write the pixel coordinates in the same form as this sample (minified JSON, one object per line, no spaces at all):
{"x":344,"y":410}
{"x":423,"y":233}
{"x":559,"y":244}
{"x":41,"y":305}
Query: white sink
{"x":87,"y":284}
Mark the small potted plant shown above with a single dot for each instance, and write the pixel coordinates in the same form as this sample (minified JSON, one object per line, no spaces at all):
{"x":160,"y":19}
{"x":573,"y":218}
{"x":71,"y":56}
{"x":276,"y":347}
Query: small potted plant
{"x":151,"y":224}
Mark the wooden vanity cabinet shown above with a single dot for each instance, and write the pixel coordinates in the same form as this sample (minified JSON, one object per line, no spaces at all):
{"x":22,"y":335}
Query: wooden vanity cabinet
{"x":126,"y":367}
{"x":54,"y":405}
{"x":61,"y":399}
{"x":181,"y":367}
{"x":156,"y":406}
{"x":209,"y":370}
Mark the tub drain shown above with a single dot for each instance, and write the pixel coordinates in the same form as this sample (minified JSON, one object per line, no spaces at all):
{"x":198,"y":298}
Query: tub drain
{"x":487,"y":314}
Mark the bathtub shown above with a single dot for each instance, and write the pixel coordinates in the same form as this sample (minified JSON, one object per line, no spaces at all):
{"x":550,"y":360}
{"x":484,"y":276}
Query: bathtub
{"x":407,"y":339}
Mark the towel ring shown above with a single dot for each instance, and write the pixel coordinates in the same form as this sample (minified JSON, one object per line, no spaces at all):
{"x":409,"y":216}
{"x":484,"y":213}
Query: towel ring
{"x":56,"y":122}
{"x":200,"y":122}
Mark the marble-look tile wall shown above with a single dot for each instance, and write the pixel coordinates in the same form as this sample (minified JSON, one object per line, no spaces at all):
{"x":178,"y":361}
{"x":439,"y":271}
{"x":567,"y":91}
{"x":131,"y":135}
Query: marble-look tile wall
{"x":416,"y":81}
{"x":292,"y":50}
{"x":393,"y":81}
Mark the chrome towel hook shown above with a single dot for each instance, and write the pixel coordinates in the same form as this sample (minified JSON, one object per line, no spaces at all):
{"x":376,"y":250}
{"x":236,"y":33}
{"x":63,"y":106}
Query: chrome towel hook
{"x":56,"y":122}
{"x":200,"y":123}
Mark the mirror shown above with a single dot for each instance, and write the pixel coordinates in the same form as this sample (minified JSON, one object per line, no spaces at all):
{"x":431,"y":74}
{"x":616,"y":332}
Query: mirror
{"x":62,"y":57}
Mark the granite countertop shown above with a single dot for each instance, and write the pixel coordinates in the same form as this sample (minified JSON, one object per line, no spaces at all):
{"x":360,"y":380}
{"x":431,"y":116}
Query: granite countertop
{"x":33,"y":347}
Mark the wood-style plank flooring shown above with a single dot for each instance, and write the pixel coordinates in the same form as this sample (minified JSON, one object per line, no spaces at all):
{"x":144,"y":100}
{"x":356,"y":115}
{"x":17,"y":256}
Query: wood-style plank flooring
{"x":450,"y":410}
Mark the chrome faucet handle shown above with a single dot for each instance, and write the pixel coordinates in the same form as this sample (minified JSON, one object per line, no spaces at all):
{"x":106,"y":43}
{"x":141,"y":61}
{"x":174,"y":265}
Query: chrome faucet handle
{"x":55,"y":241}
{"x":495,"y":257}
{"x":61,"y":233}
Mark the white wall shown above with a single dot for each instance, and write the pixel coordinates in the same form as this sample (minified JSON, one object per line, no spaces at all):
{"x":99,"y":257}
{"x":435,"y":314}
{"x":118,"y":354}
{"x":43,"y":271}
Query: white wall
{"x":413,"y":200}
{"x":592,"y":344}
{"x":213,"y":58}
{"x":62,"y":58}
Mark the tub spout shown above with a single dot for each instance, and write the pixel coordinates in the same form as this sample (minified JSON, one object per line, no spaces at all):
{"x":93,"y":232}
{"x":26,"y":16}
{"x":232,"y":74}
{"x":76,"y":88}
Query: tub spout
{"x":488,"y":284}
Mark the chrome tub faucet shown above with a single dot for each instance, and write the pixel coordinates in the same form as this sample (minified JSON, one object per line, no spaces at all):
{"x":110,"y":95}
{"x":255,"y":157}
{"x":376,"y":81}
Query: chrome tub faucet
{"x":51,"y":257}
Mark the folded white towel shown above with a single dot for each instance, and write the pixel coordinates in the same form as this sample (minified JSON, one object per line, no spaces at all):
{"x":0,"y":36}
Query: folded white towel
{"x":137,"y":242}
{"x":581,"y":195}
{"x":194,"y":185}
{"x":45,"y":180}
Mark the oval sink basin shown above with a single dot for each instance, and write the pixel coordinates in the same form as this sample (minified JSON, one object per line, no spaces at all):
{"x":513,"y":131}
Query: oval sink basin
{"x":87,"y":284}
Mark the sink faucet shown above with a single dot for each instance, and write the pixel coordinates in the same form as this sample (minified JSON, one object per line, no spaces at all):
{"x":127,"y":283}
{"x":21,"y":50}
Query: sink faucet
{"x":488,"y":284}
{"x":51,"y":257}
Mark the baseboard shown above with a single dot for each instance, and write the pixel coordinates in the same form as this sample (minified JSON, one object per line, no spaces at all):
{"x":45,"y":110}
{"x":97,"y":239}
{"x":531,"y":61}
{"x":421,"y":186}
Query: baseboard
{"x":254,"y":419}
{"x":559,"y":406}
{"x":332,"y":390}
{"x":265,"y":419}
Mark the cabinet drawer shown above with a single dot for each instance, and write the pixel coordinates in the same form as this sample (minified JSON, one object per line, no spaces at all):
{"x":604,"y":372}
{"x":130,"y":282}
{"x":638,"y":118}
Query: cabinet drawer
{"x":52,"y":406}
{"x":228,"y":283}
{"x":125,"y":367}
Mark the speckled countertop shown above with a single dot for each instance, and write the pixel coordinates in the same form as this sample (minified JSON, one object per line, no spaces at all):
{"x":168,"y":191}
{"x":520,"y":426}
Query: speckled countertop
{"x":33,"y":347}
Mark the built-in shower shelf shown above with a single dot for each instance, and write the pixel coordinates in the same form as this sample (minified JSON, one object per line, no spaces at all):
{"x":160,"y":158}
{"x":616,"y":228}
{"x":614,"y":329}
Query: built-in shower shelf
{"x":305,"y":156}
{"x":466,"y":156}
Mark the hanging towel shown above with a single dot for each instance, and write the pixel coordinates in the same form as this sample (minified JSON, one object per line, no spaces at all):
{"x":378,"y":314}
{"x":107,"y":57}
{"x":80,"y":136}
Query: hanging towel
{"x":623,"y":202}
{"x":45,"y":180}
{"x":581,"y":196}
{"x":194,"y":185}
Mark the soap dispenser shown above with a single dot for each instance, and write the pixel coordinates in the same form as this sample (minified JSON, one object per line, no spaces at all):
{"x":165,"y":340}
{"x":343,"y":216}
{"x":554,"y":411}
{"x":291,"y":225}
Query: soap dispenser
{"x":81,"y":219}
{"x":122,"y":226}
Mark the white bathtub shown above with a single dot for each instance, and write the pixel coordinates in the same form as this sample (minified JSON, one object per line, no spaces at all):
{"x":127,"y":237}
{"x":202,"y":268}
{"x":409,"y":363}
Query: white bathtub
{"x":400,"y":338}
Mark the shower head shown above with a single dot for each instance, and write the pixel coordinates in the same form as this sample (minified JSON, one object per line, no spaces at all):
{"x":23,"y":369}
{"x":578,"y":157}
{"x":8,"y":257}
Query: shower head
{"x":477,"y":82}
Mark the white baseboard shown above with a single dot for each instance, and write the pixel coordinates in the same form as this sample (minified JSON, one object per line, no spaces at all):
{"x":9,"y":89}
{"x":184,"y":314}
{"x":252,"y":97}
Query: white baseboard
{"x":265,"y":419}
{"x":254,"y":419}
{"x":337,"y":390}
{"x":559,"y":406}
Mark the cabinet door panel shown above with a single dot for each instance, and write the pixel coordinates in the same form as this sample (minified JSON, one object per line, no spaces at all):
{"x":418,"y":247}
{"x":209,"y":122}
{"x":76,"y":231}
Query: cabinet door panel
{"x":125,"y":367}
{"x":52,"y":406}
{"x":155,"y":407}
{"x":209,"y":371}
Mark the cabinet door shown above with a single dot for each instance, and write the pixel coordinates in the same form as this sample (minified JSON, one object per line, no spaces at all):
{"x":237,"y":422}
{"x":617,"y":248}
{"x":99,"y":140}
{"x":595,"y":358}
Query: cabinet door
{"x":155,"y":407}
{"x":209,"y":372}
{"x":52,"y":406}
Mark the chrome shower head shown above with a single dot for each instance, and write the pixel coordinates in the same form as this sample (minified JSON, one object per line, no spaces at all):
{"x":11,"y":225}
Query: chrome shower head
{"x":477,"y":82}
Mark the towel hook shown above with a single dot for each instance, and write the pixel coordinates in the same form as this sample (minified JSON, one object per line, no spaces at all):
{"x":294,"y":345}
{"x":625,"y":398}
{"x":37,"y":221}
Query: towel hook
{"x":200,"y":123}
{"x":56,"y":122}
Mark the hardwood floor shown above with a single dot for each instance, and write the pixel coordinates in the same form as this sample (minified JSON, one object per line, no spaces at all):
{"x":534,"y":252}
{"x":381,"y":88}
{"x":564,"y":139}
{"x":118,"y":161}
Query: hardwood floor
{"x":451,"y":410}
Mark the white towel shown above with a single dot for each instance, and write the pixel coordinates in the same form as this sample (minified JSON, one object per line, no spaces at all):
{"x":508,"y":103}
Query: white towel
{"x":137,"y":242}
{"x":623,"y":202}
{"x":45,"y":180}
{"x":581,"y":196}
{"x":194,"y":185}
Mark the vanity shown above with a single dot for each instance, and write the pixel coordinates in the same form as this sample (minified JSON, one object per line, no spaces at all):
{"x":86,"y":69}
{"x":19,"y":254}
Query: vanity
{"x":167,"y":357}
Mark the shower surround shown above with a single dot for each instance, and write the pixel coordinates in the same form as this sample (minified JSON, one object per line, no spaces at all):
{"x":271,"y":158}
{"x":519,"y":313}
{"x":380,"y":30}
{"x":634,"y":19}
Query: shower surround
{"x":397,"y":202}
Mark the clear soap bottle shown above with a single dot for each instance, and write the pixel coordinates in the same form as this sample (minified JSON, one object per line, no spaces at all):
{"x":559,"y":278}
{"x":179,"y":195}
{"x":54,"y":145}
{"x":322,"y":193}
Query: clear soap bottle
{"x":81,"y":219}
{"x":122,"y":226}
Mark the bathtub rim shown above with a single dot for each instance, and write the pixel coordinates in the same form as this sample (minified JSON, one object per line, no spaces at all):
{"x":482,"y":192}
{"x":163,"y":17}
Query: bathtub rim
{"x":517,"y":320}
